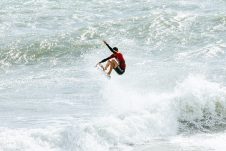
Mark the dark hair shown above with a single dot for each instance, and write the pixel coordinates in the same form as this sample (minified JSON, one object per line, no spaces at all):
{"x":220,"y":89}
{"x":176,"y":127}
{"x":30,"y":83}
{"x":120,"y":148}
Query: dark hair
{"x":115,"y":48}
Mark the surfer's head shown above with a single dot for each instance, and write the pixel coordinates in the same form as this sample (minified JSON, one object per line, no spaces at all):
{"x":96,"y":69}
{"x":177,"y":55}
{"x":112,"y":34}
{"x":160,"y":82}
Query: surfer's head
{"x":115,"y":49}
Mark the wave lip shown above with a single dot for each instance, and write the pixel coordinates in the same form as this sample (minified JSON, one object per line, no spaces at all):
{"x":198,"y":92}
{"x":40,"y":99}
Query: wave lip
{"x":201,"y":105}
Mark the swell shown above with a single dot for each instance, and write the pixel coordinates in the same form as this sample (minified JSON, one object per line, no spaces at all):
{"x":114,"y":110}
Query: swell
{"x":161,"y":31}
{"x":60,"y":47}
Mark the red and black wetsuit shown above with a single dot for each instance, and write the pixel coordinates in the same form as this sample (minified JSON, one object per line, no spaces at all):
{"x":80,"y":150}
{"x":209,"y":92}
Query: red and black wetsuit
{"x":119,"y":57}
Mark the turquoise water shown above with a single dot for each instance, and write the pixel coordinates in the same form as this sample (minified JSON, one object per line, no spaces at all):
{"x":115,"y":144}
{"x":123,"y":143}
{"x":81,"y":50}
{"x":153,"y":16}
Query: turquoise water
{"x":171,"y":97}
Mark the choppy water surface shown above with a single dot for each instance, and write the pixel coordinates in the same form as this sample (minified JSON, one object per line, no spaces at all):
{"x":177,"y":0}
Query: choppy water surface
{"x":171,"y":97}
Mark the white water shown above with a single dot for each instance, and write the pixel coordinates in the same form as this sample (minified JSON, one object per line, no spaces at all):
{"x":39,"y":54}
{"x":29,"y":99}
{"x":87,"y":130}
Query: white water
{"x":171,"y":97}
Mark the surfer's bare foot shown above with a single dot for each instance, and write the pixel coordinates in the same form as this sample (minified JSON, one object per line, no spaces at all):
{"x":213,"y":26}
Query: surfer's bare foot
{"x":108,"y":75}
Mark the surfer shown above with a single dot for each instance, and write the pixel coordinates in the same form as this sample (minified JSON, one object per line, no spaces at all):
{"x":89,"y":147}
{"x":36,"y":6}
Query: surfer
{"x":115,"y":61}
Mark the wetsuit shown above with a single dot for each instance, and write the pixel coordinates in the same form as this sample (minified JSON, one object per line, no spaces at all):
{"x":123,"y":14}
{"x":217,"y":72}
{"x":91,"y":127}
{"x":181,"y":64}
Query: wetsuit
{"x":120,"y":69}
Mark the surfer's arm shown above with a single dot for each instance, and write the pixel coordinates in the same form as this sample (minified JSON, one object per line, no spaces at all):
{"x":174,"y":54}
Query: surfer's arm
{"x":112,"y":50}
{"x":105,"y":59}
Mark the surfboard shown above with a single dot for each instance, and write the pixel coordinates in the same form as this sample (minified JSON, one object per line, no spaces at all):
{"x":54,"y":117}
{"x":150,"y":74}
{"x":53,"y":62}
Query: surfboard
{"x":103,"y":72}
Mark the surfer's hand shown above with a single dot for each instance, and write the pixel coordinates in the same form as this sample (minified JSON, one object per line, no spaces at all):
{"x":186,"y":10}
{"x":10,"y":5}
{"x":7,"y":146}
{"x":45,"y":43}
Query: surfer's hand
{"x":104,"y":41}
{"x":97,"y":64}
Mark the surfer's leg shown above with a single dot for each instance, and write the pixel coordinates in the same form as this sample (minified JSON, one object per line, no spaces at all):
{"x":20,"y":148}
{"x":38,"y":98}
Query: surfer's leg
{"x":101,"y":66}
{"x":107,"y":65}
{"x":113,"y":64}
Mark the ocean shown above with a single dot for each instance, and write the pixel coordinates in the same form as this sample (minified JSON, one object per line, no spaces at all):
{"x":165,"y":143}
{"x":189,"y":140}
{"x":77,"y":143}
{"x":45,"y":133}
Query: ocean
{"x":172,"y":96}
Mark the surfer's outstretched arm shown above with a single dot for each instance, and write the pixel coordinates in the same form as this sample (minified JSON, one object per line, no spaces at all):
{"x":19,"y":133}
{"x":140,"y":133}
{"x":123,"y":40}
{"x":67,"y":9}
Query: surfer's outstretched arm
{"x":112,"y":50}
{"x":105,"y":59}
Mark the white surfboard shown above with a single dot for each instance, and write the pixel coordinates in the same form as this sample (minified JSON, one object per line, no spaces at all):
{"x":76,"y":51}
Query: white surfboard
{"x":102,"y":71}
